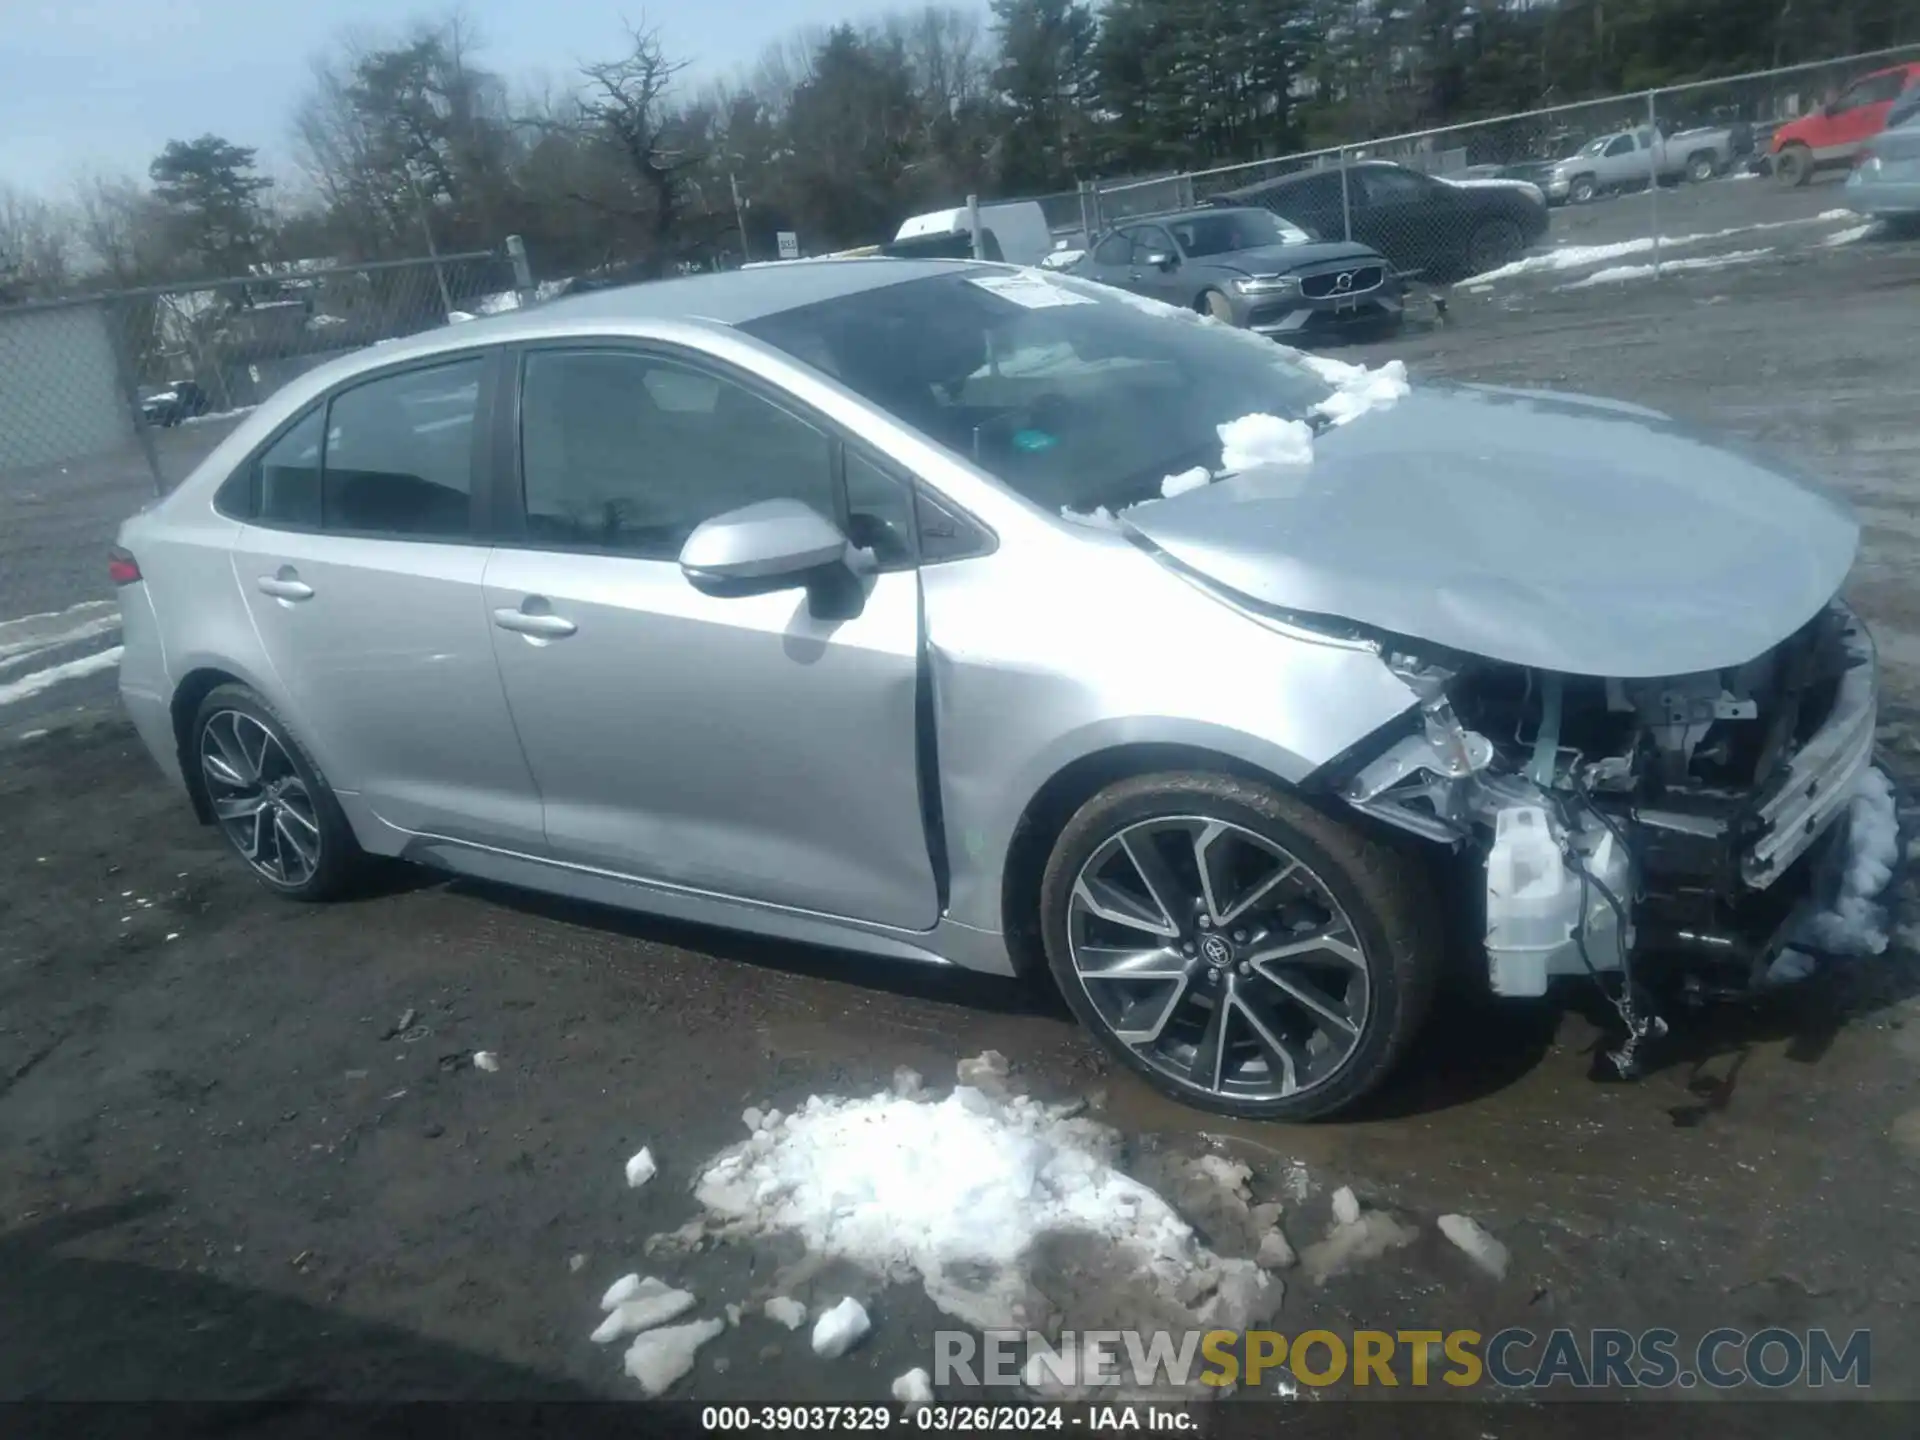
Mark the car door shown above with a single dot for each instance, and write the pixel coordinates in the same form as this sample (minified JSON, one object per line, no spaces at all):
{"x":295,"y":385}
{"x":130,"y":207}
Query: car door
{"x":361,"y":562}
{"x":1860,"y":113}
{"x":744,"y":746}
{"x":1414,"y":221}
{"x":1161,"y":281}
{"x":1111,"y":261}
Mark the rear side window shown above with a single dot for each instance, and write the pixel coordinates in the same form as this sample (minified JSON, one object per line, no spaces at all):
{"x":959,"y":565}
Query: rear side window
{"x":286,"y":479}
{"x":398,"y":458}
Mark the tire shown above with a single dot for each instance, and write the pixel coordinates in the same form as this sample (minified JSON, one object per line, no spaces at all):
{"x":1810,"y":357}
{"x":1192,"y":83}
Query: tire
{"x":1213,"y":303}
{"x":1700,"y":168}
{"x":1582,"y":189}
{"x":1492,"y":244}
{"x":1793,"y":166}
{"x":1356,"y":920}
{"x":286,"y":824}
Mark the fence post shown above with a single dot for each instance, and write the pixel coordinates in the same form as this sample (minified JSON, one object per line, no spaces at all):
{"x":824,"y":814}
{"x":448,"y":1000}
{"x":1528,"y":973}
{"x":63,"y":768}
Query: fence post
{"x":1346,"y":206}
{"x":1086,"y":217}
{"x":114,"y":316}
{"x":973,"y":226}
{"x":522,"y":271}
{"x":1655,"y":148}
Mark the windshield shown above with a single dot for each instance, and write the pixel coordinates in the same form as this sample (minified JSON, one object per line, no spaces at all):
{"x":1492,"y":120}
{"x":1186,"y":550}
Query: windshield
{"x":1228,"y":231}
{"x":1070,"y":393}
{"x":1594,"y":147}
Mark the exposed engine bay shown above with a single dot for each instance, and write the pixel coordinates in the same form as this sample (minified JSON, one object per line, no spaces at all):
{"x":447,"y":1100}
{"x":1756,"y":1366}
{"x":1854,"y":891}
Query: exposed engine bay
{"x":1635,"y":829}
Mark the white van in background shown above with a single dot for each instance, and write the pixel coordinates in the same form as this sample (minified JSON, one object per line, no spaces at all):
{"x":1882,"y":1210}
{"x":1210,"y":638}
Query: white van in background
{"x":1013,"y":230}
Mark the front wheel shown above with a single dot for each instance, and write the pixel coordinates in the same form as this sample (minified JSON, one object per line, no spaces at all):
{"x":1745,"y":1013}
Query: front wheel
{"x":1215,"y":304}
{"x":1493,"y":243}
{"x":1238,"y":949}
{"x":1793,"y":166}
{"x":1582,"y":189}
{"x":270,"y":800}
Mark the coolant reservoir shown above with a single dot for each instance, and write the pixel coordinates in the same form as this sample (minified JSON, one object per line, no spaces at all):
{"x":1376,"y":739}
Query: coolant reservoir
{"x":1533,"y":902}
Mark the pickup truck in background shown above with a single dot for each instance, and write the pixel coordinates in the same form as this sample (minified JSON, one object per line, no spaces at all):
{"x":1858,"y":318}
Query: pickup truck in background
{"x":1625,"y":159}
{"x":1834,"y":135}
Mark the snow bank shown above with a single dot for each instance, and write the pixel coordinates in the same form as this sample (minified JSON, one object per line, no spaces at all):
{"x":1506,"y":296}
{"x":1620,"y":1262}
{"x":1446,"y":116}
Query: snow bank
{"x":1856,"y":924}
{"x":1579,"y":257}
{"x":1617,"y":273}
{"x":1187,"y":479}
{"x":1850,"y":234}
{"x":959,"y":1193}
{"x":1099,"y":517}
{"x":36,"y":682}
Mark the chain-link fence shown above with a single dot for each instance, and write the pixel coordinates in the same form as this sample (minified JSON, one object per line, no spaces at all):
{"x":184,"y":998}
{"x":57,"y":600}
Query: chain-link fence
{"x":1452,"y":203}
{"x":107,"y":399}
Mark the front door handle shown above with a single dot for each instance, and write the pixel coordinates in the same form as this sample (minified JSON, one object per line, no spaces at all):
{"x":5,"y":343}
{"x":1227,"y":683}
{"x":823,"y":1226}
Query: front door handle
{"x":538,"y":627}
{"x":284,"y":586}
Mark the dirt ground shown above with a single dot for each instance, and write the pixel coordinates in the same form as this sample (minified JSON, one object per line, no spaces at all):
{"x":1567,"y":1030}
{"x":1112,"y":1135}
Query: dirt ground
{"x":226,"y":1169}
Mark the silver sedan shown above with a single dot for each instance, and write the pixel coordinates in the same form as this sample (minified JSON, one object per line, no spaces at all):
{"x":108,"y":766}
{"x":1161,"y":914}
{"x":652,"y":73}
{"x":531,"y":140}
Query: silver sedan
{"x":975,"y":616}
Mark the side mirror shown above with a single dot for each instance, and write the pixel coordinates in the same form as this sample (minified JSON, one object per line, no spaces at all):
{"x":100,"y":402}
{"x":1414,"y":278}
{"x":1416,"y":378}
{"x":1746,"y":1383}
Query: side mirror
{"x":1163,"y":260}
{"x":771,"y":545}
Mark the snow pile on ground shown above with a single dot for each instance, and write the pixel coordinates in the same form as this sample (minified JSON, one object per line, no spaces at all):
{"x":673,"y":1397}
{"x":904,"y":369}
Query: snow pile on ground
{"x":1579,"y":257}
{"x":839,"y":1329}
{"x":1617,"y":273}
{"x":1850,"y":234}
{"x":1856,"y":924}
{"x":1356,"y":1235}
{"x":661,"y":1357}
{"x":1006,"y":1211}
{"x":36,"y":682}
{"x":1471,"y":1237}
{"x":633,"y":1305}
{"x":640,"y":1168}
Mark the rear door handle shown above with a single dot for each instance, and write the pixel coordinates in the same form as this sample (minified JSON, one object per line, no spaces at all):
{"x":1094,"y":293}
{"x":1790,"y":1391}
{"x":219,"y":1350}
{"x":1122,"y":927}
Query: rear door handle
{"x":284,"y":587}
{"x":539,"y":627}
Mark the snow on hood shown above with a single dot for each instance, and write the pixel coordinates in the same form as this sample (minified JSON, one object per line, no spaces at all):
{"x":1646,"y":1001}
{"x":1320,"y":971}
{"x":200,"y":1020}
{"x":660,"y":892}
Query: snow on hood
{"x":1546,"y":531}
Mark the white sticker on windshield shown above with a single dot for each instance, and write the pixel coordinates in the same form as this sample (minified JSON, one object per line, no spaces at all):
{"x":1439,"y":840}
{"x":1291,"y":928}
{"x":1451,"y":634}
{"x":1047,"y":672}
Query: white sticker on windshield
{"x":1029,"y":291}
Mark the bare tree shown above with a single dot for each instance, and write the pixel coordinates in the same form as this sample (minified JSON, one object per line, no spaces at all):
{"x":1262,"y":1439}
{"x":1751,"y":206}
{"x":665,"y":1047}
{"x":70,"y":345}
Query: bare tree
{"x":36,"y":246}
{"x":625,"y":109}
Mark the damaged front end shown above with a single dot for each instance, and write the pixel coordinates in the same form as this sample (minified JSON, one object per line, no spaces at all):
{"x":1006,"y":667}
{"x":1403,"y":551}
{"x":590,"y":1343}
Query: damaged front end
{"x":1635,"y":828}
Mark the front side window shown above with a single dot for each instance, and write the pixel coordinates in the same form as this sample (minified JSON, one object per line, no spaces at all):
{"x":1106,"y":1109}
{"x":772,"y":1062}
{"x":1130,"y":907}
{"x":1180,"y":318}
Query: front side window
{"x":1226,"y":231}
{"x":630,"y":452}
{"x":1385,"y":185}
{"x":398,"y":459}
{"x":1114,"y":250}
{"x":1071,"y":394}
{"x":1621,"y":145}
{"x":1150,"y":242}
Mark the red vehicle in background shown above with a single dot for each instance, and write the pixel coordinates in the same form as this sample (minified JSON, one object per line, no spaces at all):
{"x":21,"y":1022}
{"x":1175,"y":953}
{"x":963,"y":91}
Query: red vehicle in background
{"x":1836,"y":133}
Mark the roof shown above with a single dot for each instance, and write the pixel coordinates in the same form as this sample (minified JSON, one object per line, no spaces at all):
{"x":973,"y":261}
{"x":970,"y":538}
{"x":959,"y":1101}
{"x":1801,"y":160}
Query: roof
{"x":728,"y":297}
{"x":1282,"y":181}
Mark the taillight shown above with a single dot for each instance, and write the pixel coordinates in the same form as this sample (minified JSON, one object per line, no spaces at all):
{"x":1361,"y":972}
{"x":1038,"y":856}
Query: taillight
{"x":122,"y":568}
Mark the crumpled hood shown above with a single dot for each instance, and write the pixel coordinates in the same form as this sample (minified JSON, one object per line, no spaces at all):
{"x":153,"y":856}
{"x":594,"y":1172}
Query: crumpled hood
{"x":1280,"y":259}
{"x":1552,"y":531}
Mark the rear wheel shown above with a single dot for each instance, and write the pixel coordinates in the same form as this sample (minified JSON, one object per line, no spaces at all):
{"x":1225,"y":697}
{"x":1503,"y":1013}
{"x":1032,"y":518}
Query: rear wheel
{"x":1493,"y":244}
{"x":269,"y":798}
{"x":1793,"y":166}
{"x":1700,"y":168}
{"x":1236,"y":948}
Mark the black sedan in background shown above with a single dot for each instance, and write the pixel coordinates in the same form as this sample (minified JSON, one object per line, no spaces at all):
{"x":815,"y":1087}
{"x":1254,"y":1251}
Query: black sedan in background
{"x":1440,"y":230}
{"x":1252,"y":269}
{"x":175,"y":403}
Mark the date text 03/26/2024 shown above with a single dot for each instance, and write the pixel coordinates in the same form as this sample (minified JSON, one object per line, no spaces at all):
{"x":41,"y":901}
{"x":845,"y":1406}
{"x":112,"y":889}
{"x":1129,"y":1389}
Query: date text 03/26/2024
{"x":963,"y":1419}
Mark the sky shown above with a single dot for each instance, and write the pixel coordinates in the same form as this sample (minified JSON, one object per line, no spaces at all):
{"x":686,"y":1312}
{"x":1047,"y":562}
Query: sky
{"x":99,"y":86}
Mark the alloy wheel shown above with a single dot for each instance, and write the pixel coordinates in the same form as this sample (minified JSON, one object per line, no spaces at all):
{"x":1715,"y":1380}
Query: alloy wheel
{"x":1219,"y":958}
{"x":259,"y":798}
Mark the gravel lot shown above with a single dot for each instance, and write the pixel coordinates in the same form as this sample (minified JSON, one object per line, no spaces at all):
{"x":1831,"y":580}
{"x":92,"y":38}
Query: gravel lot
{"x":223,"y":1174}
